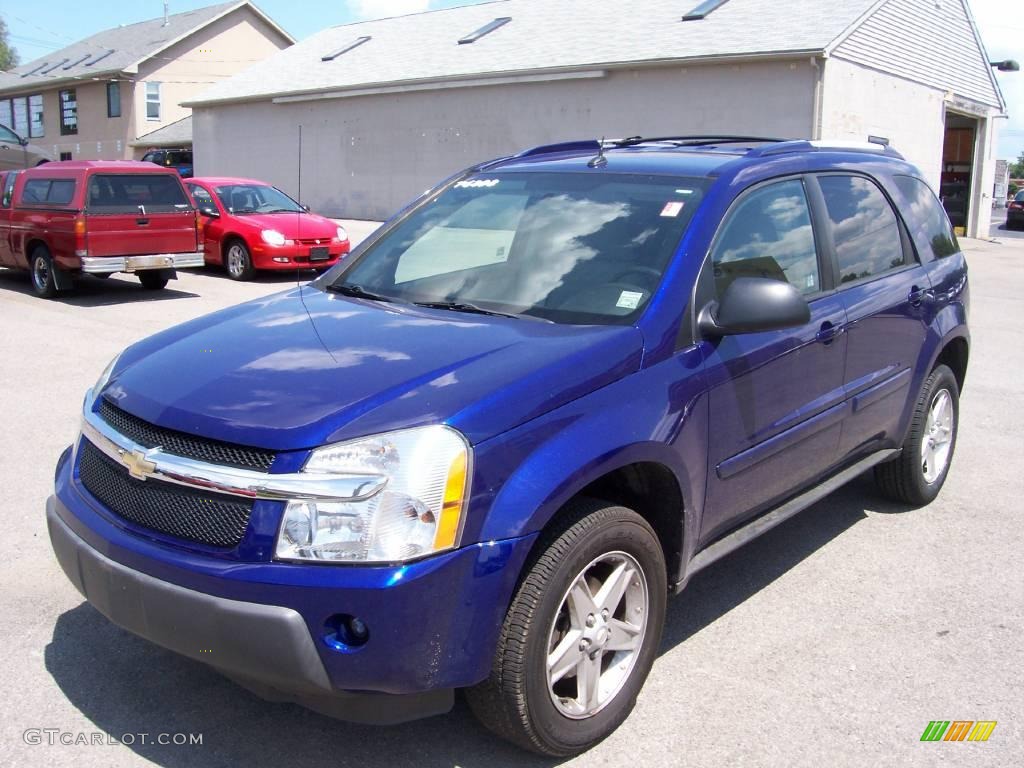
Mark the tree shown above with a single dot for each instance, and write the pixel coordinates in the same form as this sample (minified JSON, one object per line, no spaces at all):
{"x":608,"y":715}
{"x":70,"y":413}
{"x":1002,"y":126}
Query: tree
{"x":8,"y":56}
{"x":1017,"y":168}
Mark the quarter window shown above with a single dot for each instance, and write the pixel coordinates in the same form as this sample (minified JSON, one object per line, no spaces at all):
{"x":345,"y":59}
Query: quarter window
{"x":152,"y":101}
{"x":928,"y":218}
{"x":769,"y":234}
{"x":8,"y":189}
{"x":865,"y":231}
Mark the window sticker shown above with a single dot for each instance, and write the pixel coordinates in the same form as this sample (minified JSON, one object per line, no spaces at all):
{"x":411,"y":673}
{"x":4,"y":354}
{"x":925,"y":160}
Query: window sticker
{"x":477,"y":183}
{"x":629,"y":299}
{"x":672,"y":209}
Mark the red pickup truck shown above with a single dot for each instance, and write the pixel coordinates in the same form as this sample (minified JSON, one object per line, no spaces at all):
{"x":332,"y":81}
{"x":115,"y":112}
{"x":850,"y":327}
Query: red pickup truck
{"x":63,"y":219}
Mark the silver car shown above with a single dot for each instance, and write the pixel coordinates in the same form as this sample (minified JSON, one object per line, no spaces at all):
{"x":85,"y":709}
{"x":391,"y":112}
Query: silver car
{"x":16,"y":153}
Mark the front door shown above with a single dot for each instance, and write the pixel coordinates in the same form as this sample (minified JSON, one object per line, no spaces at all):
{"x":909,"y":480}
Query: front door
{"x":7,"y":180}
{"x":776,"y":398}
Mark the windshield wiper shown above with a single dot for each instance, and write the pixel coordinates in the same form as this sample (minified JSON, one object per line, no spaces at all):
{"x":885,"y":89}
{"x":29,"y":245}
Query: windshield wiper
{"x":356,"y":292}
{"x":464,"y":306}
{"x":284,"y":210}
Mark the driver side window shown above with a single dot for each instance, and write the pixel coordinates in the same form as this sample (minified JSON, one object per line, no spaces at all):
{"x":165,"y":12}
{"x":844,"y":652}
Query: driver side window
{"x":769,"y":234}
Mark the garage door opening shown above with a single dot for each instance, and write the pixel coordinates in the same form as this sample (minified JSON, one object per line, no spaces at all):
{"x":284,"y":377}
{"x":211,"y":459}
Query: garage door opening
{"x":957,"y":168}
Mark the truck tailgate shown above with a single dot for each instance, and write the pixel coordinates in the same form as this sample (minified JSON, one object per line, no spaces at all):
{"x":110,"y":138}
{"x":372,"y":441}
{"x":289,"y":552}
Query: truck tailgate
{"x":131,"y":214}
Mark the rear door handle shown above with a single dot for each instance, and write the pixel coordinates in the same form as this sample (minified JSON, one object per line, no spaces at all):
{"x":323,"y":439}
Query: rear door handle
{"x":829,"y":332}
{"x":919,"y":296}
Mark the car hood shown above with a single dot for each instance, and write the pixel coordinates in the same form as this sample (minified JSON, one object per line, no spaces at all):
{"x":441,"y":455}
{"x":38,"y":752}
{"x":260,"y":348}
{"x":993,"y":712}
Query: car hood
{"x":305,"y":368}
{"x":293,"y":225}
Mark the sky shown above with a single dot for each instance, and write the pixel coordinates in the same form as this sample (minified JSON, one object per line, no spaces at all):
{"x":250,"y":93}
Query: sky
{"x":36,"y":29}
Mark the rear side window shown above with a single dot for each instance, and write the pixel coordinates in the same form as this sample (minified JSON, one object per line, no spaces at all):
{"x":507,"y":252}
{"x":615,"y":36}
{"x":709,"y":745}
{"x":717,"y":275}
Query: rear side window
{"x":136,"y":193}
{"x":769,"y":234}
{"x":48,"y":191}
{"x":927,"y":218}
{"x":865,"y":230}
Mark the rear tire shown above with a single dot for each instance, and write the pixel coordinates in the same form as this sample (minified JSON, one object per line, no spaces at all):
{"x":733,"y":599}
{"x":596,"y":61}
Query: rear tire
{"x":238,"y":261}
{"x":41,"y":269}
{"x":558,"y":636}
{"x":152,"y":281}
{"x":916,"y":476}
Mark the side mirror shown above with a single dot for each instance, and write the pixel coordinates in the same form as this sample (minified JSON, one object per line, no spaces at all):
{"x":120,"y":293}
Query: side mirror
{"x":752,"y":305}
{"x":209,"y":211}
{"x":306,"y":208}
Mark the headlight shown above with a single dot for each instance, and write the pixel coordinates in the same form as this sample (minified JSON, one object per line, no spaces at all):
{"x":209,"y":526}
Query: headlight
{"x":272,"y":237}
{"x":419,"y":512}
{"x":104,"y":378}
{"x":341,"y":234}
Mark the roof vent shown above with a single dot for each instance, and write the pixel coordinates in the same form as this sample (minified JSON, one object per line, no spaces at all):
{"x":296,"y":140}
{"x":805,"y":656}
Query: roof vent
{"x":32,"y":72}
{"x":354,"y":44}
{"x":78,"y":61}
{"x":53,"y":66}
{"x":486,"y":29}
{"x":704,"y":9}
{"x":98,"y":57}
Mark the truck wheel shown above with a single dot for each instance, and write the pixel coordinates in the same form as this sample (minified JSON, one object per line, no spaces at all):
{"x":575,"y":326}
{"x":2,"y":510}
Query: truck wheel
{"x":580,"y":635}
{"x":42,"y":267}
{"x":238,"y":261}
{"x":916,"y":476}
{"x":152,"y":281}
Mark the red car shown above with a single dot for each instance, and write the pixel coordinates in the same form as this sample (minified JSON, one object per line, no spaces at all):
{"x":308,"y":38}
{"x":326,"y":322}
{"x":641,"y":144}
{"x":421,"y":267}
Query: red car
{"x":252,"y":225}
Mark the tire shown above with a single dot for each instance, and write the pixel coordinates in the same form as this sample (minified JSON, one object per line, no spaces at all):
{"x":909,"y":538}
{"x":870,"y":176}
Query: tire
{"x":916,"y":476}
{"x":152,"y":281}
{"x":41,"y":269}
{"x":518,"y":700}
{"x":238,"y":261}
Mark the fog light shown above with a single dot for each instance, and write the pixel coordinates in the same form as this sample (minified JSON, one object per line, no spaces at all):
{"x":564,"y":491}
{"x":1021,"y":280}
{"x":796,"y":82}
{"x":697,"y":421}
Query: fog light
{"x":281,"y":259}
{"x":346,"y":633}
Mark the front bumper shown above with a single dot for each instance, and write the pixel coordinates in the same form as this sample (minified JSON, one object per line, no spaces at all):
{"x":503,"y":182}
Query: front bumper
{"x":296,"y":255}
{"x":433,"y":624}
{"x":104,"y":264}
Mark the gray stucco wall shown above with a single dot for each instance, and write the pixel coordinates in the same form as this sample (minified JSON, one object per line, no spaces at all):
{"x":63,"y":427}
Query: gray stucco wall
{"x":365,"y":156}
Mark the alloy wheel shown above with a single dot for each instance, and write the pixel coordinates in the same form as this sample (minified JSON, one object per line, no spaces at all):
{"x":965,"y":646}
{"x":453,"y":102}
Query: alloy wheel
{"x":938,"y":437}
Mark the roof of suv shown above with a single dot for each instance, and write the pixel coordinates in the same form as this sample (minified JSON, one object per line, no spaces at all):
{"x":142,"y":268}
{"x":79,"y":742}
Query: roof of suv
{"x":684,"y":156}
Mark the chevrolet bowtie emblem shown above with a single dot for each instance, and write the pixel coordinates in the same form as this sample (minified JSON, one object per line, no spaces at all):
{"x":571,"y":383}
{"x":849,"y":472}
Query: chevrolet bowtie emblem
{"x":138,"y":465}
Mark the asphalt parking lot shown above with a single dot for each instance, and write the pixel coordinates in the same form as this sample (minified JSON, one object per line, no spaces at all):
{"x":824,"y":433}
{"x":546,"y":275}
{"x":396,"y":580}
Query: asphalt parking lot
{"x":831,"y":641}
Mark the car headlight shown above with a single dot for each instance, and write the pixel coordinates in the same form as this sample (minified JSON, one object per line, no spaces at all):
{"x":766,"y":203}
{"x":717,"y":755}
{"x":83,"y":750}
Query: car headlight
{"x":272,"y":237}
{"x":419,"y":512}
{"x":341,"y":234}
{"x":104,"y":378}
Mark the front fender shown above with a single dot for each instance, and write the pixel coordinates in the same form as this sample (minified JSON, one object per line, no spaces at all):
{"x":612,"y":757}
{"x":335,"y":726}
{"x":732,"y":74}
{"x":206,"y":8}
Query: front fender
{"x":657,"y":415}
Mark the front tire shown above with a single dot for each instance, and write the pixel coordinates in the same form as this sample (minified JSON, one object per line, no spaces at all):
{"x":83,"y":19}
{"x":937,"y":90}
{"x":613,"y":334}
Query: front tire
{"x":42,"y":268}
{"x":581,"y":634}
{"x":238,"y":261}
{"x":916,"y":476}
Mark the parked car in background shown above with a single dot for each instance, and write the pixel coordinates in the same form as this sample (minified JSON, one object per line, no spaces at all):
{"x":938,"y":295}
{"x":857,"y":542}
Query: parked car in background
{"x":16,"y":152}
{"x":1015,"y":212}
{"x":251,"y":225}
{"x":178,"y":159}
{"x":64,"y":219}
{"x":482,"y":452}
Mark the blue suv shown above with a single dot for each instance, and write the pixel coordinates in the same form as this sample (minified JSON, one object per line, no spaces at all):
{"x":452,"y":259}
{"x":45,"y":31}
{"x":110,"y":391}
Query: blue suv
{"x":481,"y":452}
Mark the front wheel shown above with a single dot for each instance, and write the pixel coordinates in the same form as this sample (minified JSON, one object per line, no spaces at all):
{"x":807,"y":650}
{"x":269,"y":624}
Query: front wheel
{"x":238,"y":261}
{"x":581,"y":634}
{"x":916,"y":476}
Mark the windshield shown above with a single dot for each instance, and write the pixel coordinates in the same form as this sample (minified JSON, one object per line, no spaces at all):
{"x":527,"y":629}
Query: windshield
{"x":567,"y":247}
{"x":255,"y":198}
{"x":1019,"y":198}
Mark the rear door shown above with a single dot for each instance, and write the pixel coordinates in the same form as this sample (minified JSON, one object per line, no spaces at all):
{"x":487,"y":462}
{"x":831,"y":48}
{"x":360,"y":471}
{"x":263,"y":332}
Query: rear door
{"x":886,"y":293}
{"x":776,"y":398}
{"x":129,"y":214}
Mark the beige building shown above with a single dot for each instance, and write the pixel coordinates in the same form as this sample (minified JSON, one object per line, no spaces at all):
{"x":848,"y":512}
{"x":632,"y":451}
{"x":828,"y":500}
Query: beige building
{"x":94,"y":99}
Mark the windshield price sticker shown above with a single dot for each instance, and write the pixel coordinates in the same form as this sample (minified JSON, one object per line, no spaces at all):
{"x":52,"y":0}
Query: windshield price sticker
{"x":629,"y":299}
{"x":477,"y":183}
{"x":672,"y":209}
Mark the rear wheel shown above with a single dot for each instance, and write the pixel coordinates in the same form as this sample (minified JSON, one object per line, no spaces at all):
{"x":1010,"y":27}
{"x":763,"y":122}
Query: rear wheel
{"x":42,"y":268}
{"x":581,"y":634}
{"x":238,"y":261}
{"x":916,"y":476}
{"x":152,"y":281}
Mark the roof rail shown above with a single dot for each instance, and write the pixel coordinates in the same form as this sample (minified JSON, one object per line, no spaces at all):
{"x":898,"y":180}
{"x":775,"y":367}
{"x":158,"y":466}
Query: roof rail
{"x":592,"y":145}
{"x":874,"y":146}
{"x":694,"y":141}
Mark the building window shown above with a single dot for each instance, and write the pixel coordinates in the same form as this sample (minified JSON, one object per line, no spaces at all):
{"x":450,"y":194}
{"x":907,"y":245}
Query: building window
{"x":114,"y":99}
{"x":68,"y":112}
{"x":65,"y":155}
{"x":152,"y":101}
{"x":23,"y":115}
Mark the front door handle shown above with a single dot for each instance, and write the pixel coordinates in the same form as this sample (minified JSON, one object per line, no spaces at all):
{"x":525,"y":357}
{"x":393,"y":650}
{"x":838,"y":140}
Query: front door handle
{"x":919,"y":296}
{"x":142,"y":222}
{"x":829,"y":332}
